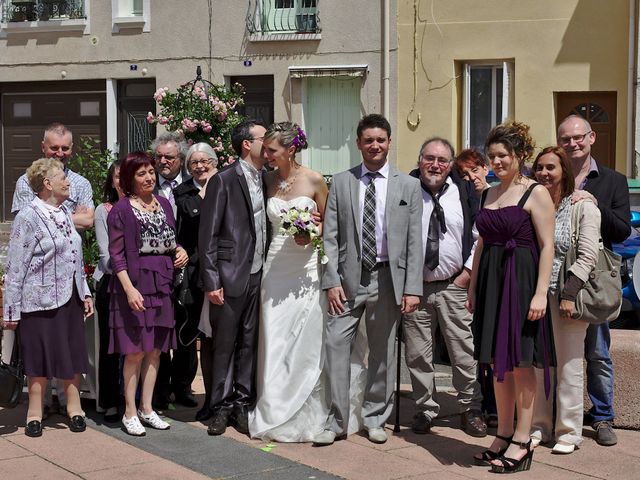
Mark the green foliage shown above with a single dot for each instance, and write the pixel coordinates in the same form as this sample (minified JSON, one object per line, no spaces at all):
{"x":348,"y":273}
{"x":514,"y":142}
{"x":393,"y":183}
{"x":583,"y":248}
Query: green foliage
{"x":92,"y":162}
{"x":201,"y":116}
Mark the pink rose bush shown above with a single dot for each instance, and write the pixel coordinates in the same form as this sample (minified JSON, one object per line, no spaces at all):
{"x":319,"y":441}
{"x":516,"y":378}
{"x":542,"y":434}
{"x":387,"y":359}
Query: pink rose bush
{"x":202,"y":116}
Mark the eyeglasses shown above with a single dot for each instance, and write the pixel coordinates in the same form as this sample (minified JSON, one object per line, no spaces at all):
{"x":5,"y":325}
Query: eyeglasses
{"x":204,"y":162}
{"x":258,"y":138}
{"x":168,"y":158}
{"x":431,"y":159}
{"x":576,"y":138}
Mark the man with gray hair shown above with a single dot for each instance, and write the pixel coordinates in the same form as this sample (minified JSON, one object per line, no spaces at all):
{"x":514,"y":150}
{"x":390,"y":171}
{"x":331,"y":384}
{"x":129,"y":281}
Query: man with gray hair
{"x":169,"y":150}
{"x":448,"y":235}
{"x":610,"y":192}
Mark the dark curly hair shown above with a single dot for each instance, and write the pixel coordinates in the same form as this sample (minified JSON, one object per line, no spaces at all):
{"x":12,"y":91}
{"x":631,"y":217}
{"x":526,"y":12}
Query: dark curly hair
{"x":516,"y":139}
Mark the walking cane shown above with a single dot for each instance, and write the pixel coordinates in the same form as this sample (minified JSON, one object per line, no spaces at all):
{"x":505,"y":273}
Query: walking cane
{"x":396,"y":427}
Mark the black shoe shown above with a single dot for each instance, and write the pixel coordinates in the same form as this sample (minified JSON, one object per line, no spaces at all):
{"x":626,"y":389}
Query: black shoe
{"x":33,"y":429}
{"x":77,"y":424}
{"x":46,"y":411}
{"x":160,"y":404}
{"x":605,"y":435}
{"x":112,"y":417}
{"x":473,"y":424}
{"x":219,"y":423}
{"x":512,"y":465}
{"x":421,"y":424}
{"x":240,"y":419}
{"x":204,"y":414}
{"x":186,"y":399}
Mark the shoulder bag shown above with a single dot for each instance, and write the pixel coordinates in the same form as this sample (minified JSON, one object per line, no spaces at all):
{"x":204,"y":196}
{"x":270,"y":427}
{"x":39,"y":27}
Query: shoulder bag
{"x":600,"y":298}
{"x":11,"y":376}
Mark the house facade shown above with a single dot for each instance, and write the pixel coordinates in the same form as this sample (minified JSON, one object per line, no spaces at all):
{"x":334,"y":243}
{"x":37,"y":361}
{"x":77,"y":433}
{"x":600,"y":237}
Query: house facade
{"x":95,"y":64}
{"x":465,"y":66}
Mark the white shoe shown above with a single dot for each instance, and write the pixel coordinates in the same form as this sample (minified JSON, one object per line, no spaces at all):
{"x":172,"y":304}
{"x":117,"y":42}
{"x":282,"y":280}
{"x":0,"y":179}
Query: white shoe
{"x":326,"y":437}
{"x":153,"y":420}
{"x":377,"y":435}
{"x":563,"y":448}
{"x":133,"y":426}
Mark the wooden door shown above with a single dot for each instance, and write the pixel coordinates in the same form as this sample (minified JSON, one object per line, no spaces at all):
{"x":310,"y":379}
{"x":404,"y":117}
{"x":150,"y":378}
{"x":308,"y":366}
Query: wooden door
{"x":599,"y":109}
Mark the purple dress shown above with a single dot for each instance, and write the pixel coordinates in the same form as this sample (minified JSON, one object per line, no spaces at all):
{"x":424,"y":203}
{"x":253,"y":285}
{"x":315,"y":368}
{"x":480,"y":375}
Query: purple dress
{"x":151,"y":273}
{"x":507,"y":277}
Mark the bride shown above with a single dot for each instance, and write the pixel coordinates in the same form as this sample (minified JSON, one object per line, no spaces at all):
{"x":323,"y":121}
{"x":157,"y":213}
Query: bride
{"x":292,"y":400}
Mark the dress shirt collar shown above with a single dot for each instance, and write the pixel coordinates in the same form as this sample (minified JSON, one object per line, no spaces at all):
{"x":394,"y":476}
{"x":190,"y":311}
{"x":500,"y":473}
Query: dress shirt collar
{"x":166,"y":181}
{"x":383,"y":172}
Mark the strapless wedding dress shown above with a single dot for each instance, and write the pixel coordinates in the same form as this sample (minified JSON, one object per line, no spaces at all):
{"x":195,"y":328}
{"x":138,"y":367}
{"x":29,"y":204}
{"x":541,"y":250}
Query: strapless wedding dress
{"x":292,"y":393}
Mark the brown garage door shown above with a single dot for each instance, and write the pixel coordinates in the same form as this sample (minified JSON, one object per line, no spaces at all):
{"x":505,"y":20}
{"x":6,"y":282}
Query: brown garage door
{"x":25,"y":114}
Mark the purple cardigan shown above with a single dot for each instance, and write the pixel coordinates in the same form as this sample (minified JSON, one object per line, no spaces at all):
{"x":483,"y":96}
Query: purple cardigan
{"x":124,"y":236}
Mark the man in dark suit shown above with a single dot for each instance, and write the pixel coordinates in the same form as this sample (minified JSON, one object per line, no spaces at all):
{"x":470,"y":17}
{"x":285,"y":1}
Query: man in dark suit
{"x":610,"y":192}
{"x":232,"y":242}
{"x":177,"y":371}
{"x":450,"y":205}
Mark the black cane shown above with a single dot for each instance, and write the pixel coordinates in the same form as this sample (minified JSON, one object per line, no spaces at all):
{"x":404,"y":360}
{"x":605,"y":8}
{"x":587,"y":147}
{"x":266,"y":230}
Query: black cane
{"x":396,"y":427}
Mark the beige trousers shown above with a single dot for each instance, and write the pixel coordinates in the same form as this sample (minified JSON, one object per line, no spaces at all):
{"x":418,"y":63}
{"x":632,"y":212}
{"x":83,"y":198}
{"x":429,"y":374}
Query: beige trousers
{"x":568,"y":335}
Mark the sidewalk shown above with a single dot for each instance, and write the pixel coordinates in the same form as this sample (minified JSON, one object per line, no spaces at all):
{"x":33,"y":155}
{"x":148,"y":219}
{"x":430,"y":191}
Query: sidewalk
{"x":187,"y":452}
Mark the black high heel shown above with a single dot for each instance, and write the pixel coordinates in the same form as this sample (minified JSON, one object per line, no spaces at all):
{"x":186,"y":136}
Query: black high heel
{"x":489,"y":455}
{"x":511,"y":465}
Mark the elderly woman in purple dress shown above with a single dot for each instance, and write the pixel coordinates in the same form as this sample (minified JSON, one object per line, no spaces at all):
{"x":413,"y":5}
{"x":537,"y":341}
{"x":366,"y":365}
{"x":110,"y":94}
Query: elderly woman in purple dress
{"x":144,"y":254}
{"x":46,"y":293}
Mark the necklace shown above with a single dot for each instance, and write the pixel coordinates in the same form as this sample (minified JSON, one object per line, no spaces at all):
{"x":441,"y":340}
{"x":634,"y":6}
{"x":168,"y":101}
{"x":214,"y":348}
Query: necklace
{"x":63,"y":226}
{"x":152,"y":206}
{"x":285,"y":186}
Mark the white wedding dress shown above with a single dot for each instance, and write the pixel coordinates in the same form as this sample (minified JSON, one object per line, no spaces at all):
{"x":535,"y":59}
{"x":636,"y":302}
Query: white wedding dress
{"x":292,"y":397}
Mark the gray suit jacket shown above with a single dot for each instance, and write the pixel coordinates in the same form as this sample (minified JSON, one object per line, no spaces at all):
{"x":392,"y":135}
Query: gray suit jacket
{"x":343,"y":233}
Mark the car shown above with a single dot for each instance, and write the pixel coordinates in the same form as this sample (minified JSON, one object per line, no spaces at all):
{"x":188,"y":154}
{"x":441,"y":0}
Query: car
{"x":629,"y":250}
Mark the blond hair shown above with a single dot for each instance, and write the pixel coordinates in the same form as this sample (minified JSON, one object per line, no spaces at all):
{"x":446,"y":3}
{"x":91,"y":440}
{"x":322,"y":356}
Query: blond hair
{"x":39,"y":170}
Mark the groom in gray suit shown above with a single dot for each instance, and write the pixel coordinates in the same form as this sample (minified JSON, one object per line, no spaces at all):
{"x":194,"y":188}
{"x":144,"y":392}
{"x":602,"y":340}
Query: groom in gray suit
{"x":373,"y":239}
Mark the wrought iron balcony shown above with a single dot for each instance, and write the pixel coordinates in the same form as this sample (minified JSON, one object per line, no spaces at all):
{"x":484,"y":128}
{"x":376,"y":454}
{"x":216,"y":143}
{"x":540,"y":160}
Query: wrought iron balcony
{"x":41,"y":10}
{"x":283,"y":16}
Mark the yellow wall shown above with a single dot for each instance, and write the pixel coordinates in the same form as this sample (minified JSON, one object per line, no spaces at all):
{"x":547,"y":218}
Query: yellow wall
{"x":557,"y":45}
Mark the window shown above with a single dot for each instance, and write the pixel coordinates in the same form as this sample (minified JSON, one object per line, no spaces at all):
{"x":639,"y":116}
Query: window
{"x":297,"y":17}
{"x":487,"y":100}
{"x":131,"y":14}
{"x":44,"y":15}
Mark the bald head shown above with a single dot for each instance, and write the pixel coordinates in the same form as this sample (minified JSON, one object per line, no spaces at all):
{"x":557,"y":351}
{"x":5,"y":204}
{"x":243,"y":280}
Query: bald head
{"x":574,"y":121}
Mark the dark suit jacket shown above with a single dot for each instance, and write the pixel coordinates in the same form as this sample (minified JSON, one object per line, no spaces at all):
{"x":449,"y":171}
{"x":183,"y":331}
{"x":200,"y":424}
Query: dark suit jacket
{"x":188,"y":202}
{"x":227,"y":237}
{"x":612,"y":192}
{"x":470,"y":204}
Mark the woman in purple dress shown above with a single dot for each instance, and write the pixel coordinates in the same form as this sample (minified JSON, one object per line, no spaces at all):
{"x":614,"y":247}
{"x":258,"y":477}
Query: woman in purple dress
{"x":144,"y":254}
{"x":508,"y":292}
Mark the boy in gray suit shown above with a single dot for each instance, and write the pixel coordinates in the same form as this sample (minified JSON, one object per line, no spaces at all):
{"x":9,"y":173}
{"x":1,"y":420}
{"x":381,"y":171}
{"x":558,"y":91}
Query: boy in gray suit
{"x":373,"y":239}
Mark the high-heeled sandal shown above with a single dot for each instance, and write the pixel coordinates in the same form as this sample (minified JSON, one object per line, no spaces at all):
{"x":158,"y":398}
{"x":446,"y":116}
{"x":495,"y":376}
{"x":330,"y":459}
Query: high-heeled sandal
{"x":489,"y":455}
{"x":511,"y":465}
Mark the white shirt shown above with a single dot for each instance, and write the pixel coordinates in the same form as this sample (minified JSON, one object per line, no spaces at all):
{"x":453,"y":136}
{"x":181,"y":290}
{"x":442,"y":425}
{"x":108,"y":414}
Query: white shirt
{"x":450,"y":245}
{"x":380,"y":183}
{"x":167,"y":191}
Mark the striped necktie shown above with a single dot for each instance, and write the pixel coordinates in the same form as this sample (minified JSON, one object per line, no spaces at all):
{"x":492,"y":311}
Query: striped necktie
{"x":369,"y":246}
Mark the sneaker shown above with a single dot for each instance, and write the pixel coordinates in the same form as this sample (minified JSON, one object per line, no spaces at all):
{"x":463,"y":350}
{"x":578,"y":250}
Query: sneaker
{"x":421,"y":424}
{"x":605,"y":435}
{"x":153,"y":420}
{"x":133,"y":426}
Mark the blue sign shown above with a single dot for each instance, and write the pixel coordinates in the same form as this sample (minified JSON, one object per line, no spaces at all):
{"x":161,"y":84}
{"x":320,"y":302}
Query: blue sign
{"x":248,"y":63}
{"x":133,"y":68}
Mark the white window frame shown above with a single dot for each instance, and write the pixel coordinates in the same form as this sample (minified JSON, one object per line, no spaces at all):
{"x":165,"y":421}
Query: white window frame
{"x":276,"y":36}
{"x":123,"y":18}
{"x":46,"y":26}
{"x":508,"y":102}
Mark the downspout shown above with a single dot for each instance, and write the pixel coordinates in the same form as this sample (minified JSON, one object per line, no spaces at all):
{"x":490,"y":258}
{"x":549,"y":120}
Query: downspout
{"x":631,"y":157}
{"x":385,"y":58}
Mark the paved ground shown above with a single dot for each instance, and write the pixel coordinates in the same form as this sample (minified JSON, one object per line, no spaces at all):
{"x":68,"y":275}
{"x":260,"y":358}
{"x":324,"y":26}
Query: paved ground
{"x":186,"y":452}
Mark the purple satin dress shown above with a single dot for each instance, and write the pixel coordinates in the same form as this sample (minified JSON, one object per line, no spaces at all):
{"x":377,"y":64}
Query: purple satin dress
{"x":507,"y":277}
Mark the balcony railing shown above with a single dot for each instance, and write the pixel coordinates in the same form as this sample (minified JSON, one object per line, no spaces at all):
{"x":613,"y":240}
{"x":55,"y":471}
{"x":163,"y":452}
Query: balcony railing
{"x":42,"y":10}
{"x":283,"y":16}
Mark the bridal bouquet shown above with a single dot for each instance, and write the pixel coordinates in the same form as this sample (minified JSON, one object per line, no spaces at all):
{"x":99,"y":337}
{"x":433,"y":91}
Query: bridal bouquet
{"x":300,"y":222}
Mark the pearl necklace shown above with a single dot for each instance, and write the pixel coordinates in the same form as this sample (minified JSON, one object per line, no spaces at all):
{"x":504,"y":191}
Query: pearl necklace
{"x":154,"y":206}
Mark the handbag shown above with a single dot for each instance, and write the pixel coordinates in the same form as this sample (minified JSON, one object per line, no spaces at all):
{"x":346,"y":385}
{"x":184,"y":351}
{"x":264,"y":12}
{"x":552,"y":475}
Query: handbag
{"x":600,"y":298}
{"x":11,"y":377}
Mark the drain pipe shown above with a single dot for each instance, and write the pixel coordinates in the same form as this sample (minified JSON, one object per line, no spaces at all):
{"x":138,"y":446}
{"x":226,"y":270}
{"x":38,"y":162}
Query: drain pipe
{"x":385,"y":58}
{"x":632,"y":99}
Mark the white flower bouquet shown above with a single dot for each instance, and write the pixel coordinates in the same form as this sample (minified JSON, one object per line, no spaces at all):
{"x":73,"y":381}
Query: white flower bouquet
{"x":300,"y":222}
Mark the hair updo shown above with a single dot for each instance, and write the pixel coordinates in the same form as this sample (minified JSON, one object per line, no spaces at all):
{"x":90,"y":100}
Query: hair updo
{"x":516,"y":139}
{"x":287,"y":134}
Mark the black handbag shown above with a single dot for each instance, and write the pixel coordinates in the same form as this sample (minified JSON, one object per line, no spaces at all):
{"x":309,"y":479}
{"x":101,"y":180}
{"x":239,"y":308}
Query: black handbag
{"x":11,"y":377}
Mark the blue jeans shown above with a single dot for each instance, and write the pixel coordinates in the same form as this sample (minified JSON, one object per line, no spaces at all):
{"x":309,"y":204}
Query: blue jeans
{"x":599,"y":372}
